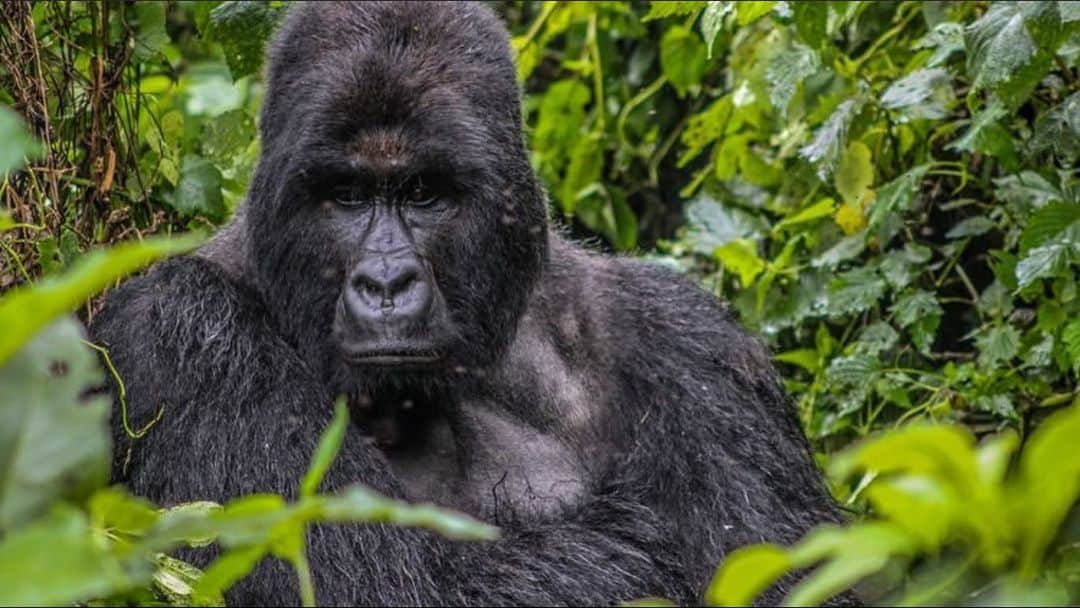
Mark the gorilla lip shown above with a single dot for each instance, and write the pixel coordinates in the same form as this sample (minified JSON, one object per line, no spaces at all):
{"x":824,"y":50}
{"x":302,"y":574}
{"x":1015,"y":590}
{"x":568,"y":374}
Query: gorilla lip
{"x":393,"y":357}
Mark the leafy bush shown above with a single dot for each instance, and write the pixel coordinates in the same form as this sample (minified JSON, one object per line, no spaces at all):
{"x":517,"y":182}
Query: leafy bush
{"x":887,"y":191}
{"x":980,"y":529}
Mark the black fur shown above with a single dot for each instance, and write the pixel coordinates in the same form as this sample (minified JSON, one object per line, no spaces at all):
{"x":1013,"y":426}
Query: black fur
{"x":611,"y":417}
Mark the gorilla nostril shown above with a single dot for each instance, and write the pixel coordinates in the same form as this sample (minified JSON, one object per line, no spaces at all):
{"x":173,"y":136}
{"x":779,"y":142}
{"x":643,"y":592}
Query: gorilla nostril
{"x":368,"y":286}
{"x":403,"y":281}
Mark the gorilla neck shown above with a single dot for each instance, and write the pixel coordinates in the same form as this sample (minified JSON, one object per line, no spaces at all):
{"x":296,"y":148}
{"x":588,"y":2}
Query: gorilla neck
{"x":528,"y":449}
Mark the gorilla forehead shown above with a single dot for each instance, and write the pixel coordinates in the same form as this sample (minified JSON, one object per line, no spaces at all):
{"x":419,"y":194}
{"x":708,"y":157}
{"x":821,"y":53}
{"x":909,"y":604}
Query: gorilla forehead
{"x":349,"y":68}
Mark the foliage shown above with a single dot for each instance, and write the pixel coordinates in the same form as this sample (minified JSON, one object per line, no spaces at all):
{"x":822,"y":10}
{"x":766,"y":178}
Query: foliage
{"x":886,"y":191}
{"x":981,"y":528}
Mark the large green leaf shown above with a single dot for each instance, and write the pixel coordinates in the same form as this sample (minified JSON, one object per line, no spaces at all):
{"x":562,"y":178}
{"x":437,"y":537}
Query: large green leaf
{"x":199,"y":190}
{"x":57,"y":561}
{"x":926,"y":93}
{"x":327,"y":450}
{"x":786,"y":70}
{"x":712,"y":224}
{"x":854,"y":173}
{"x":898,"y":195}
{"x":683,"y":59}
{"x":53,"y":441}
{"x":243,"y":28}
{"x":1011,"y":47}
{"x":26,"y":310}
{"x":831,"y":138}
{"x":1059,"y":130}
{"x":150,"y":34}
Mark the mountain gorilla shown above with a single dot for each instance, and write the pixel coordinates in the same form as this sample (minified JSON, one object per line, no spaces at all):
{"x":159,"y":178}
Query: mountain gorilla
{"x":612,"y":418}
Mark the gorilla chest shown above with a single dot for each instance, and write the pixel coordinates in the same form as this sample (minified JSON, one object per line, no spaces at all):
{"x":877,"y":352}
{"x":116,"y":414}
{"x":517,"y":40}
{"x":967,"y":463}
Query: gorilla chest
{"x":489,"y":464}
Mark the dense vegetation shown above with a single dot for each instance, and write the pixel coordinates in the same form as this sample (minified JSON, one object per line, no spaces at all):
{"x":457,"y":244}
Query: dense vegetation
{"x":887,"y":191}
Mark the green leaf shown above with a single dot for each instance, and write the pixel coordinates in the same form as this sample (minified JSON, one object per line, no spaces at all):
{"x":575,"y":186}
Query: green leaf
{"x":175,"y":580}
{"x":740,"y":256}
{"x":821,"y":209}
{"x":53,"y":442}
{"x":682,"y":59}
{"x":745,"y":574}
{"x":914,"y":306}
{"x":946,"y":39}
{"x":866,"y":550}
{"x":1070,"y":336}
{"x":199,"y":190}
{"x":224,"y":137}
{"x":327,"y":450}
{"x":712,"y":21}
{"x":26,"y":310}
{"x":972,"y":226}
{"x":1026,"y":189}
{"x":359,"y":504}
{"x":897,"y":196}
{"x":1050,"y":468}
{"x":225,"y":572}
{"x":560,"y":120}
{"x":750,"y":11}
{"x":811,"y":22}
{"x":998,"y":405}
{"x":876,"y":337}
{"x":243,"y":28}
{"x":786,"y":71}
{"x":1059,"y":130}
{"x":999,"y":343}
{"x":705,"y":127}
{"x":57,"y":560}
{"x":150,"y":34}
{"x":855,"y":291}
{"x":831,"y":138}
{"x":712,"y":224}
{"x":926,"y":93}
{"x":852,"y":370}
{"x":938,"y":450}
{"x":1048,"y":224}
{"x":806,"y":358}
{"x":116,"y":510}
{"x":673,"y":8}
{"x":19,"y":144}
{"x":855,"y":172}
{"x":585,"y":169}
{"x":1050,"y":242}
{"x":1049,"y":260}
{"x":1003,"y":53}
{"x":986,"y":135}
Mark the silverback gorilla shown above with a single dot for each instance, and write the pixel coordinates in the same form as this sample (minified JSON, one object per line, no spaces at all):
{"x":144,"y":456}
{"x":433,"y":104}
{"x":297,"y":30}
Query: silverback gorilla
{"x":613,"y":419}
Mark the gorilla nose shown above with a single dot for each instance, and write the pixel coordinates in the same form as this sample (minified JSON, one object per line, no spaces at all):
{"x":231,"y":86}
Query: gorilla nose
{"x":389,"y":287}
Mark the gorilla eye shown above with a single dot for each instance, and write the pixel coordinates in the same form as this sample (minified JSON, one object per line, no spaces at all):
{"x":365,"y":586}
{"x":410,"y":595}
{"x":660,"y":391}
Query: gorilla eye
{"x":349,"y":196}
{"x":419,"y":194}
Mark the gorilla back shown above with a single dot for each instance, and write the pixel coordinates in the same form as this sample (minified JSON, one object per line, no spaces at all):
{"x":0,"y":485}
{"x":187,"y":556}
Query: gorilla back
{"x":394,"y":247}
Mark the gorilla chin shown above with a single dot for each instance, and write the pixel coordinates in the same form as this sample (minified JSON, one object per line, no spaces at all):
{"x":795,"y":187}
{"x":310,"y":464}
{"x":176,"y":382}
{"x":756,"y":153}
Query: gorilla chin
{"x":612,"y":418}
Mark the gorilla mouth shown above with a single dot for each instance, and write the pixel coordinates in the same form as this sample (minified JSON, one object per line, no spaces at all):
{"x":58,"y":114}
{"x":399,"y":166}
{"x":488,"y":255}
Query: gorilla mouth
{"x":393,"y":357}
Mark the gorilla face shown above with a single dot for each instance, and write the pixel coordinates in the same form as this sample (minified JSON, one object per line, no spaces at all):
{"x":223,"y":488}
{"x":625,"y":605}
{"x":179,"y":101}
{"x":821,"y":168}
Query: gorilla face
{"x":396,"y":225}
{"x":391,"y":310}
